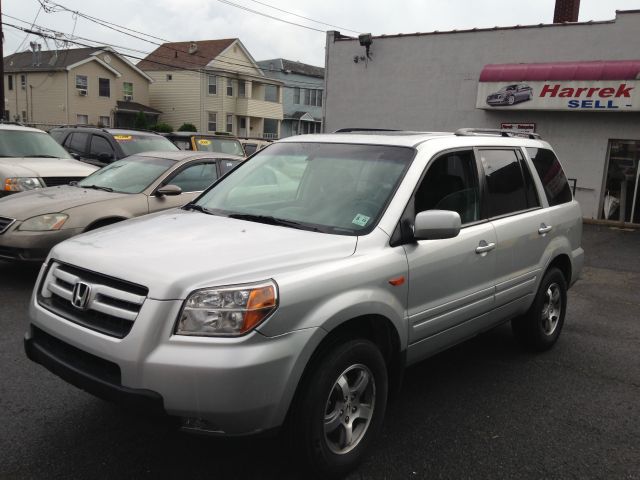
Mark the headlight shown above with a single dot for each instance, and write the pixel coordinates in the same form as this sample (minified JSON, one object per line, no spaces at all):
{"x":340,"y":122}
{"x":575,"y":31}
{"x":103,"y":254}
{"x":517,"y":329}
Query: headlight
{"x":20,"y":184}
{"x":227,"y":311}
{"x":50,"y":221}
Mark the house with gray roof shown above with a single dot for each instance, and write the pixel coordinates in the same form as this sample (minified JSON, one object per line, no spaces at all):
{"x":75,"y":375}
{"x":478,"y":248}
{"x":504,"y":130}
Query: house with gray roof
{"x":92,"y":86}
{"x":302,"y":97}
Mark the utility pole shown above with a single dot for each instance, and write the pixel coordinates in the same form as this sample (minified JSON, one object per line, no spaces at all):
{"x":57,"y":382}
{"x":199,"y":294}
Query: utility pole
{"x":2,"y":105}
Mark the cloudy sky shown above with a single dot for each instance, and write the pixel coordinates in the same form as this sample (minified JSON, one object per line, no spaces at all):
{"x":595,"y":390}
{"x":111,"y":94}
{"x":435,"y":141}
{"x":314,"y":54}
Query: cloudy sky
{"x":181,"y":20}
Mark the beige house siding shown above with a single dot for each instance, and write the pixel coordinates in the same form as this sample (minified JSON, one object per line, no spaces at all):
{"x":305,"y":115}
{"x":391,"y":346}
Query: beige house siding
{"x":178,"y":99}
{"x":43,"y":99}
{"x":92,"y":105}
{"x":234,"y":59}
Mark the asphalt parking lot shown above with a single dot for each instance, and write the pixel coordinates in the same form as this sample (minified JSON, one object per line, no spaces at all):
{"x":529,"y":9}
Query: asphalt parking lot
{"x":483,"y":410}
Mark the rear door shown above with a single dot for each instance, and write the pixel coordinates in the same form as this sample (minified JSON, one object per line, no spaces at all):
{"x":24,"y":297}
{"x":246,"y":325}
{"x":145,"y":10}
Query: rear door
{"x":521,"y":225}
{"x":452,"y":280}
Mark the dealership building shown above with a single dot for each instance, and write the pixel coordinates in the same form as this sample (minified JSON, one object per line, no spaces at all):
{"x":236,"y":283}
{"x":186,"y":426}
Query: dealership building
{"x":577,"y":84}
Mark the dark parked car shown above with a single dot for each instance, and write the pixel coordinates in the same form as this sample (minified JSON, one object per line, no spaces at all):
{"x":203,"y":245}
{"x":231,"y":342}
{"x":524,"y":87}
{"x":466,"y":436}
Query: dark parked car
{"x":206,"y":142}
{"x":510,"y":95}
{"x":101,"y":146}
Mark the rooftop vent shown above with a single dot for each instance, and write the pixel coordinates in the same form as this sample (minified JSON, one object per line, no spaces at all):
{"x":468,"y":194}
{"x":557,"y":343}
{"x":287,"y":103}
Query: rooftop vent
{"x":566,"y":11}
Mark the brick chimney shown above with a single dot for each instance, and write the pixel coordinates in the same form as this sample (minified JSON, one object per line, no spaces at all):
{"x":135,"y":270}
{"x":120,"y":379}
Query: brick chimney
{"x":566,"y":11}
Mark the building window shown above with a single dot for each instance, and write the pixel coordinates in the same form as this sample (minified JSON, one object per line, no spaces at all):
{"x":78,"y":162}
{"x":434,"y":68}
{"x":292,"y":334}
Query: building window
{"x":82,"y":82}
{"x":229,"y":87}
{"x":296,"y":95}
{"x":82,"y":119}
{"x":212,"y":123}
{"x":271,"y":93}
{"x":270,"y":128}
{"x":242,"y":89}
{"x":307,"y":96}
{"x":169,"y":77}
{"x":229,"y":123}
{"x":10,"y":82}
{"x":319,"y":104}
{"x":213,"y":84}
{"x":105,"y":121}
{"x":127,"y":90}
{"x":23,"y":81}
{"x":313,"y":97}
{"x":104,"y":87}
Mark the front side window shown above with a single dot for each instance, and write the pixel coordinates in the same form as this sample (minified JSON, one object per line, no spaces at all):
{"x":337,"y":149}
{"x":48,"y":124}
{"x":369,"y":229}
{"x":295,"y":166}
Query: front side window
{"x":130,"y":175}
{"x":555,"y":184}
{"x":100,"y":146}
{"x":104,"y":87}
{"x":451,"y":183}
{"x":212,"y":123}
{"x":82,"y":82}
{"x":195,"y":178}
{"x":506,"y":191}
{"x":77,"y":142}
{"x":18,"y":143}
{"x":334,"y":188}
{"x":212,"y":82}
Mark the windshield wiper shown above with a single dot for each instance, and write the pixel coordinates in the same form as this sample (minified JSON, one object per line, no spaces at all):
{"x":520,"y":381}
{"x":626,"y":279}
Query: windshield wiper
{"x":269,"y":220}
{"x":98,"y":187}
{"x":197,"y":208}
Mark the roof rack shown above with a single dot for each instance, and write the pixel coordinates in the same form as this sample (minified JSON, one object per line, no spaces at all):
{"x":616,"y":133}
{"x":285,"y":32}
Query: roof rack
{"x":468,"y":132}
{"x":351,"y":130}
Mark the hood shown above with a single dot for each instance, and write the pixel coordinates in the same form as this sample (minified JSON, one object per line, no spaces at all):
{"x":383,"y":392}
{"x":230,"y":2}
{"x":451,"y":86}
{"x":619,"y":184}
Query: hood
{"x":45,"y":167}
{"x":28,"y":204}
{"x":175,"y":252}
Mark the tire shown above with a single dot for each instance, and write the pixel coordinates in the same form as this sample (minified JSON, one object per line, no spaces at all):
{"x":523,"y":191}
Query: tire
{"x":511,"y":100}
{"x":321,"y":417}
{"x":540,"y":327}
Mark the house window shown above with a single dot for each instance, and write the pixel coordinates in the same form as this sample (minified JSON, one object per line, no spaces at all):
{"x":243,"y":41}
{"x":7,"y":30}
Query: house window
{"x":82,"y":119}
{"x":105,"y":121}
{"x":271,"y":93}
{"x":242,"y":89}
{"x":212,"y":123}
{"x":319,"y":98}
{"x":104,"y":87}
{"x":213,"y":84}
{"x":127,"y":90}
{"x":23,"y":81}
{"x":307,"y":96}
{"x":313,"y":97}
{"x":229,"y":123}
{"x":82,"y":82}
{"x":229,"y":87}
{"x":169,"y":77}
{"x":296,"y":95}
{"x":10,"y":82}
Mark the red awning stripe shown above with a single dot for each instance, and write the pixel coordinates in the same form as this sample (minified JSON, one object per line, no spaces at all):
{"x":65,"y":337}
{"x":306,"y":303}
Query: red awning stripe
{"x":598,"y":70}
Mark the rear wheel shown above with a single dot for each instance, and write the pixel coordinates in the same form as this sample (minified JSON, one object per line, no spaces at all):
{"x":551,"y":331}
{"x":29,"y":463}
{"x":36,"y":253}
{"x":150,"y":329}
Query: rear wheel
{"x":341,"y":407}
{"x":540,"y":327}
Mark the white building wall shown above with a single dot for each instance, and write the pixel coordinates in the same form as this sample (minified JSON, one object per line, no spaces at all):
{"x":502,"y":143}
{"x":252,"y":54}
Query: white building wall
{"x":429,"y":82}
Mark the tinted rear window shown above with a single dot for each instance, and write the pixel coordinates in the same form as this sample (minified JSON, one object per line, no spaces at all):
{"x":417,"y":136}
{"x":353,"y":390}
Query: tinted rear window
{"x":553,"y":179}
{"x":505,"y":184}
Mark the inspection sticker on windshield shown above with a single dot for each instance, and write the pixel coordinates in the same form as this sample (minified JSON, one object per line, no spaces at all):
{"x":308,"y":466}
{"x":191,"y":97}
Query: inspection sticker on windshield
{"x":360,"y":220}
{"x":203,"y":141}
{"x":121,"y":138}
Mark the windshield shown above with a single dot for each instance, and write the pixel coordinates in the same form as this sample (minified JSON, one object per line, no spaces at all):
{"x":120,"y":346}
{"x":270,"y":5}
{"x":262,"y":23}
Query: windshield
{"x":19,"y":143}
{"x":132,"y":144}
{"x":129,"y":175}
{"x":334,"y":188}
{"x":220,"y":145}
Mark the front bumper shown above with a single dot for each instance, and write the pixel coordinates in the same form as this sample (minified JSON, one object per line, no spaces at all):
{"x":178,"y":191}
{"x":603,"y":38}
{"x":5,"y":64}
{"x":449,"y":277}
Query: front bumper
{"x":234,"y":386}
{"x":16,"y":245}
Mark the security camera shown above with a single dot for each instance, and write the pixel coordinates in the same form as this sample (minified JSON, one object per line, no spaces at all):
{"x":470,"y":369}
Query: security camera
{"x":365,"y":39}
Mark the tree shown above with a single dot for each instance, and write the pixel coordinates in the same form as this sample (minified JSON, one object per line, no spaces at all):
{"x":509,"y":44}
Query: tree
{"x":187,"y":127}
{"x":141,"y":121}
{"x":162,"y":128}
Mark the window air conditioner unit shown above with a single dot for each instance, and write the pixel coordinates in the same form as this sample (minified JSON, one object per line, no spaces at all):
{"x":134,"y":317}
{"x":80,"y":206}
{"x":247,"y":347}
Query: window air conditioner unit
{"x":128,"y":98}
{"x":82,"y":92}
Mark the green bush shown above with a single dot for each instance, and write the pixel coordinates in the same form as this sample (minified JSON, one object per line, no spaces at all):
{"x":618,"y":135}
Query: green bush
{"x":141,"y":121}
{"x":162,"y":128}
{"x":187,"y":127}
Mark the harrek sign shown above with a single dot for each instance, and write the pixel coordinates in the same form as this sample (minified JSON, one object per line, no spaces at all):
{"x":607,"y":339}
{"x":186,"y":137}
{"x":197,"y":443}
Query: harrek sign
{"x":588,"y":97}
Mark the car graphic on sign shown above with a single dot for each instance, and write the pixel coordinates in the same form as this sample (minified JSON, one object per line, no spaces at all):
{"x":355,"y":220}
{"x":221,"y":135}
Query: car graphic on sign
{"x":510,"y":95}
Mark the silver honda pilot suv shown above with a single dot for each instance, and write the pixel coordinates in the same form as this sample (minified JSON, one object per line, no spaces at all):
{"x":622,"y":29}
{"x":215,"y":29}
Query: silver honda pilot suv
{"x":295,"y":290}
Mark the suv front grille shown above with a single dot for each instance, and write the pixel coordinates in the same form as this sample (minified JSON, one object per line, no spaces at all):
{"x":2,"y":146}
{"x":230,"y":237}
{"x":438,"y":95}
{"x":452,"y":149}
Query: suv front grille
{"x":5,"y":223}
{"x":95,"y":301}
{"x":55,"y":181}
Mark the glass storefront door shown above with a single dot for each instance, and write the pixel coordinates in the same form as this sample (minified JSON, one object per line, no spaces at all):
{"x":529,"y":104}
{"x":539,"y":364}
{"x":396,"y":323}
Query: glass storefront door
{"x":621,"y":199}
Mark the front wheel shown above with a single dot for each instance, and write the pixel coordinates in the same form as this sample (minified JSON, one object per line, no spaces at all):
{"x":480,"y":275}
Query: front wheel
{"x":341,"y":407}
{"x":540,"y":327}
{"x":511,"y":100}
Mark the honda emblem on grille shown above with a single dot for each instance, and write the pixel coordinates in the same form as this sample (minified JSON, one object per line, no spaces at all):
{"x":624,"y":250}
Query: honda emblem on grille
{"x":80,"y":295}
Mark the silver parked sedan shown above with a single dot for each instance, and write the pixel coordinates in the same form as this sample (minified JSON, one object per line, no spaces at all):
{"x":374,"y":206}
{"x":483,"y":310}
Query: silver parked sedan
{"x":32,"y":222}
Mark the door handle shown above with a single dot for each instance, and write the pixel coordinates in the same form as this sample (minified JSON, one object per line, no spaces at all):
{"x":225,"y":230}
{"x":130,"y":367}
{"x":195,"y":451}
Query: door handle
{"x":544,"y":229}
{"x":485,"y":247}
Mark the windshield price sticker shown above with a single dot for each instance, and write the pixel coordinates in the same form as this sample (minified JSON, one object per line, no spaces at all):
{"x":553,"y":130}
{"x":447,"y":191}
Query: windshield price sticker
{"x":123,"y":138}
{"x":360,"y":220}
{"x":203,"y":141}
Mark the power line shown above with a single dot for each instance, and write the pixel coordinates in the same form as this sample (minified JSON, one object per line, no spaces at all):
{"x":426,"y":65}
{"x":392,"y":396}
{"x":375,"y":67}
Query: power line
{"x":305,"y":18}
{"x":32,"y":24}
{"x":247,"y":9}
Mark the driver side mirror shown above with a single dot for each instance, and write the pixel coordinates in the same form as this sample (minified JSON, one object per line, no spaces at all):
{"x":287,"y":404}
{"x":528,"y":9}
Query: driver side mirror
{"x":436,"y":224}
{"x":168,"y":190}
